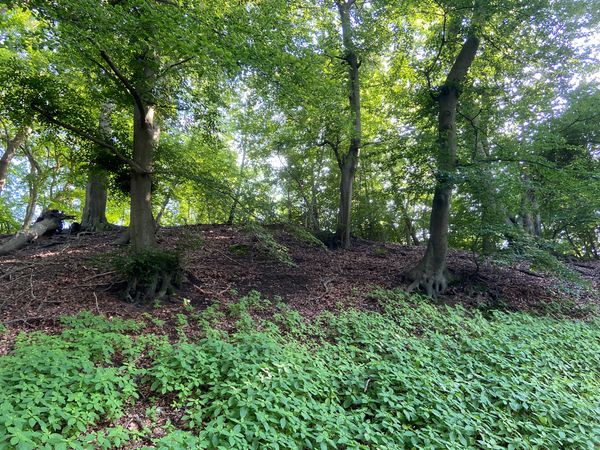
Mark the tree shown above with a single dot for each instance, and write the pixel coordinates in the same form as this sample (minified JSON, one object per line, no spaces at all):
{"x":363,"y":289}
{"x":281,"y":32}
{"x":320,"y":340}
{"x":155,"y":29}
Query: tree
{"x":11,"y":147}
{"x":430,"y":273}
{"x":348,"y":162}
{"x":141,"y":56}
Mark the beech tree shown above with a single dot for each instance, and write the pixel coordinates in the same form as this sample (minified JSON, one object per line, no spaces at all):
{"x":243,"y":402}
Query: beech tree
{"x":430,"y":273}
{"x":141,"y":55}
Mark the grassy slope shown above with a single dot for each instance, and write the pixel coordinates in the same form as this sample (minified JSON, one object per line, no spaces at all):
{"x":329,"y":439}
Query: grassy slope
{"x":413,"y":375}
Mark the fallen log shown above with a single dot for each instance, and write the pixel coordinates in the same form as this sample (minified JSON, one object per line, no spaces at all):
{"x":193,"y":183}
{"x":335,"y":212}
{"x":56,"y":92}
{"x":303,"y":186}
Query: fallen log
{"x":48,"y":223}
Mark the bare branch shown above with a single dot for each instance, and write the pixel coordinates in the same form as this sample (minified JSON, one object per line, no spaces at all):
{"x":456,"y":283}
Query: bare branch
{"x":335,"y":148}
{"x":32,"y":160}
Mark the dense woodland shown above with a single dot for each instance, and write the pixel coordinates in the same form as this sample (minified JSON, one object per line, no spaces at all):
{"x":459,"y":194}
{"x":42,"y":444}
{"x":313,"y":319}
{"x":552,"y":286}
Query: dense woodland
{"x":468,"y":124}
{"x":161,"y":161}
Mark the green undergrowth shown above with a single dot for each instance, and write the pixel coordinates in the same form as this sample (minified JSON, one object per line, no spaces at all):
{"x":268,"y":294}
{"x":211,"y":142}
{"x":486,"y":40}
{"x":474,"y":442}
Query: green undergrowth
{"x":264,"y":242}
{"x":414,"y":376}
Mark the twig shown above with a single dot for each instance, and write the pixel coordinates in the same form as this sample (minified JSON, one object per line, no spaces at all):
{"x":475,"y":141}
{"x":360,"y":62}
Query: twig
{"x":325,"y":283}
{"x":533,"y":274}
{"x":99,"y":275}
{"x":96,"y":298}
{"x":31,"y":285}
{"x":212,"y":294}
{"x":228,"y":257}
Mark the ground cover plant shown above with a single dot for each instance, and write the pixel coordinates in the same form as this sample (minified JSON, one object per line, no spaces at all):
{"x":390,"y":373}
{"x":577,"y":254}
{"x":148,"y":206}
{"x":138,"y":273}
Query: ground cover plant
{"x":412,"y":374}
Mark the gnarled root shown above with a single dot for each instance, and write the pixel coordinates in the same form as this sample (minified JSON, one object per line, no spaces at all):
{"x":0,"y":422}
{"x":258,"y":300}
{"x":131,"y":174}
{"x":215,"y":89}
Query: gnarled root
{"x":429,"y":277}
{"x":158,"y":287}
{"x":432,"y":283}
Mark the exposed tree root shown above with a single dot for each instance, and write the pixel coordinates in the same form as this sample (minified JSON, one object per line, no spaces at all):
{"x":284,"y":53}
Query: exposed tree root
{"x":429,"y":277}
{"x":150,"y":275}
{"x":432,"y":283}
{"x":123,"y":239}
{"x":157,"y":288}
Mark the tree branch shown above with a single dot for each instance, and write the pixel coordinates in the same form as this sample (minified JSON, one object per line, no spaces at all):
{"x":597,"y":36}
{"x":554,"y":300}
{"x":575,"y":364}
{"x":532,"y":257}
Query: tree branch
{"x":183,"y":61}
{"x":90,"y":137}
{"x":335,"y":148}
{"x":6,"y":133}
{"x":429,"y":69}
{"x":134,"y":93}
{"x":104,"y":69}
{"x":463,"y":61}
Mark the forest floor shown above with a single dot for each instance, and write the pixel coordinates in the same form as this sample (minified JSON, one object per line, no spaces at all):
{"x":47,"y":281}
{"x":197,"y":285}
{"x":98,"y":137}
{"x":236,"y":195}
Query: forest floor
{"x":63,"y":275}
{"x":159,"y":386}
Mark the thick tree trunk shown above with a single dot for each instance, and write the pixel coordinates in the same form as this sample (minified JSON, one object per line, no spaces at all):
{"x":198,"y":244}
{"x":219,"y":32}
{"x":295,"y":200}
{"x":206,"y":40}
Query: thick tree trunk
{"x":430,"y":274}
{"x":96,"y":192}
{"x":94,"y":210}
{"x":145,"y":138}
{"x":47,"y":223}
{"x":12,"y":145}
{"x":349,"y":162}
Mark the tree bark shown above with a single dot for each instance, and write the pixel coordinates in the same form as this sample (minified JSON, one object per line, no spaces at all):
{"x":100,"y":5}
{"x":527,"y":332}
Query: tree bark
{"x":33,"y":180}
{"x":30,"y":210}
{"x":12,"y":145}
{"x":94,"y":210}
{"x":96,"y":192}
{"x":145,"y":138}
{"x":430,"y":274}
{"x":484,"y":190}
{"x":348,"y":163}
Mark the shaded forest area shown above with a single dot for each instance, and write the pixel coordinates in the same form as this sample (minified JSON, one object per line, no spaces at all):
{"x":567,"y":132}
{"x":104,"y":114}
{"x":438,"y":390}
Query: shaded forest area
{"x":299,"y":224}
{"x":65,"y":275}
{"x":466,"y":125}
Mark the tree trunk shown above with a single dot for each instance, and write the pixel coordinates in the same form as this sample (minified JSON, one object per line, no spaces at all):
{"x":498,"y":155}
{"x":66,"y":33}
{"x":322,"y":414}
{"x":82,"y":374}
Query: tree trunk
{"x":31,"y":201}
{"x":47,"y":223}
{"x":313,"y":209}
{"x":409,"y":227}
{"x":12,"y":145}
{"x":238,"y":190}
{"x":94,"y":210}
{"x":348,"y":163}
{"x":33,"y":180}
{"x":96,"y":192}
{"x":145,"y":138}
{"x":165,"y":203}
{"x":430,"y":274}
{"x":484,"y":191}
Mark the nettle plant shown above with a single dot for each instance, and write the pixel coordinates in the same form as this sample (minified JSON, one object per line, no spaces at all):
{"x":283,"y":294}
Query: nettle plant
{"x":414,"y":376}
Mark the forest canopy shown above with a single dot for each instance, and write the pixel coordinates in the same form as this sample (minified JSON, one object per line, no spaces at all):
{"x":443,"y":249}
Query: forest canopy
{"x":470,"y":123}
